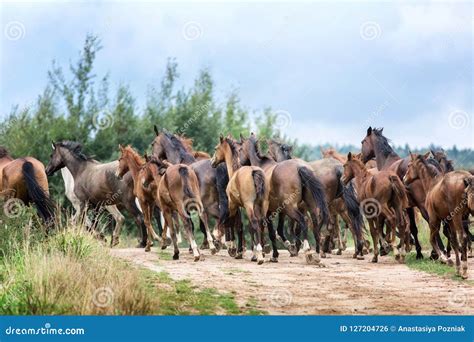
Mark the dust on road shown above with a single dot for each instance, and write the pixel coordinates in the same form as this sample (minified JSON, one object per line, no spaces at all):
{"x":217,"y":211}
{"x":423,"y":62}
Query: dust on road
{"x":344,"y":287}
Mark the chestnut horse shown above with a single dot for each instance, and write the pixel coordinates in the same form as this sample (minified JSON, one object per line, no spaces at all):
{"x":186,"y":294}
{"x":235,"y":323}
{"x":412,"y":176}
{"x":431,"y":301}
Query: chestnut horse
{"x":25,"y":179}
{"x":292,"y":187}
{"x":144,"y":191}
{"x":247,"y":189}
{"x":376,"y":145}
{"x":332,"y":153}
{"x":381,"y":194}
{"x":342,"y":200}
{"x":446,"y":201}
{"x":178,"y":192}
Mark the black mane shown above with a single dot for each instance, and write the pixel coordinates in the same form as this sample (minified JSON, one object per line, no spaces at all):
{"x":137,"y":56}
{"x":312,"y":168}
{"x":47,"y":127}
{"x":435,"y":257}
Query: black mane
{"x":178,"y":146}
{"x":4,"y":152}
{"x":75,"y":148}
{"x":382,"y":143}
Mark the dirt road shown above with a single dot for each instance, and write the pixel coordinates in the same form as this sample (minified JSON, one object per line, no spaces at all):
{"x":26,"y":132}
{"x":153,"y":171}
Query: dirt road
{"x":344,"y":287}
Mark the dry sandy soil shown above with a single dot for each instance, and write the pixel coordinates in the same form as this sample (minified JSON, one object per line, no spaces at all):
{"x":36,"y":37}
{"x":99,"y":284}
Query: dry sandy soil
{"x":344,"y":287}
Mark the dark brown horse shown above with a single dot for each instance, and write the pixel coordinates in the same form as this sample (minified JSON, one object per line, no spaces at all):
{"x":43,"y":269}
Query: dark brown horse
{"x":329,"y":171}
{"x":381,"y":194}
{"x":25,"y":179}
{"x":292,"y":184}
{"x":177,"y":150}
{"x":376,"y":145}
{"x":447,"y":201}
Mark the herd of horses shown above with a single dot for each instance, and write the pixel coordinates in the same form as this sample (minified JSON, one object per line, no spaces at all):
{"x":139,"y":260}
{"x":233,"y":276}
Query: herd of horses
{"x":175,"y":181}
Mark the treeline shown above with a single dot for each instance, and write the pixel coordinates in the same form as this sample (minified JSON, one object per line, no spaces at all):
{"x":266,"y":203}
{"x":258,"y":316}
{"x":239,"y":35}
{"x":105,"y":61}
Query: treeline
{"x":76,"y":105}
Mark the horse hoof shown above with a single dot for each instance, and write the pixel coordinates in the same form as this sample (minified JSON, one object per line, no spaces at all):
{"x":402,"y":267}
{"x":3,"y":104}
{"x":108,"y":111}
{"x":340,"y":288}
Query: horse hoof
{"x":323,"y":255}
{"x":213,"y":251}
{"x":449,"y":262}
{"x":254,"y":258}
{"x":147,"y":249}
{"x":115,"y":241}
{"x":419,"y":256}
{"x":354,"y":256}
{"x":397,"y":257}
{"x":360,"y":257}
{"x":339,"y":252}
{"x":260,"y":261}
{"x":374,"y":260}
{"x":190,"y":250}
{"x":176,"y":256}
{"x":293,"y":250}
{"x":273,"y":259}
{"x":267,"y":249}
{"x":232,"y":252}
{"x":163,"y":247}
{"x":239,"y":256}
{"x":204,"y":245}
{"x":197,"y":257}
{"x":383,"y":252}
{"x":217,"y":245}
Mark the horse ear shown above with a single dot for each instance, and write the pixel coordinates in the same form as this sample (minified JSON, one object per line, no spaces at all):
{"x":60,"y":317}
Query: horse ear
{"x":157,"y":132}
{"x":53,"y":144}
{"x":349,"y":156}
{"x":369,"y":130}
{"x":241,"y":138}
{"x":426,"y":155}
{"x":433,"y":152}
{"x":412,"y":156}
{"x":221,"y":138}
{"x":147,"y":159}
{"x":120,"y":147}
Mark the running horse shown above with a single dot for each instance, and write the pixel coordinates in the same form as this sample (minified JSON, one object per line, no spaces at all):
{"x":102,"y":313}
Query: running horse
{"x":25,"y":179}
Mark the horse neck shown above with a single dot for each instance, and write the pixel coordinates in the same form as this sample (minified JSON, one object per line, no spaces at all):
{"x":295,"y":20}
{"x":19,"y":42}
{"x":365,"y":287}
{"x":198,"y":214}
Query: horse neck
{"x":256,"y":160}
{"x":339,"y":157}
{"x":175,"y":156}
{"x":133,"y":166}
{"x":73,"y":164}
{"x":361,"y":175}
{"x":385,"y":158}
{"x":427,"y":178}
{"x":231,"y":161}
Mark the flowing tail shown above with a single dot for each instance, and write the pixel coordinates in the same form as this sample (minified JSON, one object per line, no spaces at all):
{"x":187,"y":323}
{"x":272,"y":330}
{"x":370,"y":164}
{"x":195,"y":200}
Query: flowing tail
{"x":399,"y":195}
{"x":222,"y":179}
{"x":191,"y":202}
{"x":353,"y":209}
{"x":316,"y":188}
{"x":259,"y":182}
{"x":36,"y":193}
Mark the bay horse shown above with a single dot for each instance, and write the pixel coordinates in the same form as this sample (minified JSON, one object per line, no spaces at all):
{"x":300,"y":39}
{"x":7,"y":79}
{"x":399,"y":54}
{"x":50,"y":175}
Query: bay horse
{"x":25,"y":179}
{"x":178,"y":192}
{"x":446,"y":201}
{"x":381,"y":194}
{"x":376,"y":145}
{"x":145,"y":192}
{"x":176,"y":150}
{"x":341,"y":199}
{"x":96,"y":184}
{"x":247,"y":189}
{"x":292,"y":186}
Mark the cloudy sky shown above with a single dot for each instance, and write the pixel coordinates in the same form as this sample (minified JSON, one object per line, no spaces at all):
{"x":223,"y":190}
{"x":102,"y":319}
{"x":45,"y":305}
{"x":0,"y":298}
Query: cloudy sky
{"x":330,"y":69}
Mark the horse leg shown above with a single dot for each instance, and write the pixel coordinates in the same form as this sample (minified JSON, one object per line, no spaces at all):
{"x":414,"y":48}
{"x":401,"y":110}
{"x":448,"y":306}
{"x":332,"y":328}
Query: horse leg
{"x":434,"y":232}
{"x":170,"y":223}
{"x":138,"y":218}
{"x":271,"y":233}
{"x":414,"y":232}
{"x":204,"y":221}
{"x":375,"y":238}
{"x":337,"y":227}
{"x":240,"y":234}
{"x":188,"y":225}
{"x":147,"y":214}
{"x":281,"y":234}
{"x":458,"y":238}
{"x":119,"y":220}
{"x":446,"y":233}
{"x":256,"y":233}
{"x":298,"y":217}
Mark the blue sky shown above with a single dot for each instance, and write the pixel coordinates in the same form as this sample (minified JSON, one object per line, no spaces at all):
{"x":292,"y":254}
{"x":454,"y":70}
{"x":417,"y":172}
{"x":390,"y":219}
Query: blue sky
{"x":332,"y":68}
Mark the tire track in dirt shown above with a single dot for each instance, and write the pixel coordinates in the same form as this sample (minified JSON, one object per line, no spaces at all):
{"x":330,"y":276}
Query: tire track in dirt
{"x":344,"y":287}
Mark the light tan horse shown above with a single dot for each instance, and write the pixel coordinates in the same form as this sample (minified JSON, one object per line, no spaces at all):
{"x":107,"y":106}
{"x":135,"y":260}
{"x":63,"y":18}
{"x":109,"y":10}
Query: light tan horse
{"x":178,"y":192}
{"x":144,"y":191}
{"x":247,"y":189}
{"x":25,"y":179}
{"x":381,"y":194}
{"x":447,"y":200}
